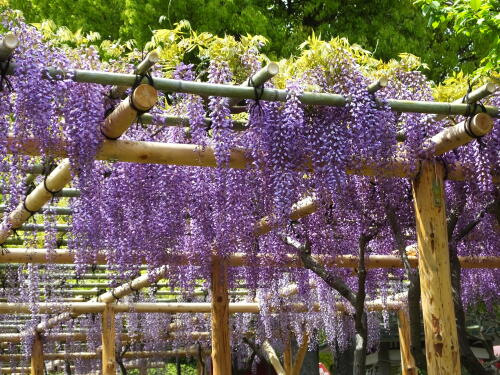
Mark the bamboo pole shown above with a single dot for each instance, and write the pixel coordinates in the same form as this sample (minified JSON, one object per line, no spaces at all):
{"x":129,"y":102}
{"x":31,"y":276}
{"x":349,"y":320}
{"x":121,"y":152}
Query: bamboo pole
{"x":108,"y":341}
{"x":378,"y":85}
{"x":454,"y":136}
{"x":474,"y":96}
{"x":441,"y":343}
{"x":212,"y":89}
{"x":221,"y":346}
{"x":7,"y":46}
{"x":258,"y":79}
{"x":301,"y":354}
{"x":198,"y":156}
{"x":407,"y":361}
{"x":114,"y":126}
{"x":183,"y":121}
{"x":61,"y":256}
{"x":37,"y":362}
{"x":117,"y":92}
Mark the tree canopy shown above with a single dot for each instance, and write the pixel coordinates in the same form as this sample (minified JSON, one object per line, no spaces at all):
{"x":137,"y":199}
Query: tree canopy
{"x":386,"y":28}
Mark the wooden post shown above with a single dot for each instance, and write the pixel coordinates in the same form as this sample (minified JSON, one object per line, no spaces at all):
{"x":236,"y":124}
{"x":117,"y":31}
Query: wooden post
{"x":441,"y":343}
{"x":108,"y":341}
{"x":143,"y":368}
{"x":301,"y":353}
{"x":37,"y":364}
{"x":407,"y":361}
{"x":221,"y":350}
{"x":287,"y":357}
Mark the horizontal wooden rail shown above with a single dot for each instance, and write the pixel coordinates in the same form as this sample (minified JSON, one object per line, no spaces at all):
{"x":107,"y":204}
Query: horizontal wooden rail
{"x":22,"y":255}
{"x":76,"y":309}
{"x":198,"y":156}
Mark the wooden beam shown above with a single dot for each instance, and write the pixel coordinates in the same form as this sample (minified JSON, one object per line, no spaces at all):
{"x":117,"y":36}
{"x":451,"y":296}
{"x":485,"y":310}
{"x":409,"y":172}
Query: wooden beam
{"x":108,"y":341}
{"x":144,"y":152}
{"x":37,"y":361}
{"x":441,"y":343}
{"x":62,"y":256}
{"x":454,"y":136}
{"x":221,"y":346}
{"x":407,"y":361}
{"x":143,"y":98}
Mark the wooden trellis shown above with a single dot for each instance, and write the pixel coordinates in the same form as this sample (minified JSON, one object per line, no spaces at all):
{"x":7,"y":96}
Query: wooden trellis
{"x":428,"y":193}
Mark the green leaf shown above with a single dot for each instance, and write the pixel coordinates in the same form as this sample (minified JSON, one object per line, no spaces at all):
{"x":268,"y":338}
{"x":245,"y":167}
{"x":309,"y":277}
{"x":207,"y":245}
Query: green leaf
{"x":435,"y":24}
{"x":475,"y":4}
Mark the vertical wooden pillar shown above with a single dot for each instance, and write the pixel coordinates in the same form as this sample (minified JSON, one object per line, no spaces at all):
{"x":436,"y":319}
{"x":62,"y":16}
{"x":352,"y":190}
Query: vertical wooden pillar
{"x":143,"y":368}
{"x":108,"y":341}
{"x":221,"y":349}
{"x":199,"y":367}
{"x":287,"y":357}
{"x":37,"y":364}
{"x":441,"y":343}
{"x":407,"y":361}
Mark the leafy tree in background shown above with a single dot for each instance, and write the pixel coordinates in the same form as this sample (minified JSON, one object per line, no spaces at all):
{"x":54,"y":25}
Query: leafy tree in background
{"x":385,"y":27}
{"x":476,"y":20}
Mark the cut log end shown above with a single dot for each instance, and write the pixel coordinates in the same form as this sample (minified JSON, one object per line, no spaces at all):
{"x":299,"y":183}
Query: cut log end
{"x":153,"y":57}
{"x":145,"y":97}
{"x":383,"y":82}
{"x":491,"y":87}
{"x":273,"y":68}
{"x":10,"y":41}
{"x":481,"y":124}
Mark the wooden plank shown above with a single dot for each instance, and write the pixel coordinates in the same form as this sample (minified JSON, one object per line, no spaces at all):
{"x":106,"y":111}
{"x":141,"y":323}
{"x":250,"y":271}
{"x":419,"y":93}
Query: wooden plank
{"x":37,"y":364}
{"x":221,"y":349}
{"x":407,"y":361}
{"x":108,"y":341}
{"x":441,"y":344}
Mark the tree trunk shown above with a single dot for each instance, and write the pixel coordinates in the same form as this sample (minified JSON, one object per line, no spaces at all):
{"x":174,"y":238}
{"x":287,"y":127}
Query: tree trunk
{"x":343,"y":363}
{"x":469,"y":360}
{"x":360,"y":324}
